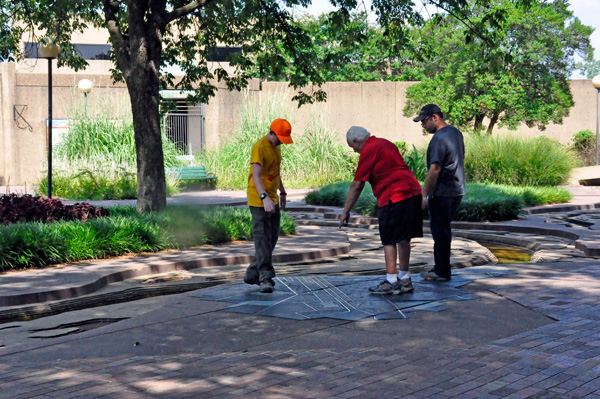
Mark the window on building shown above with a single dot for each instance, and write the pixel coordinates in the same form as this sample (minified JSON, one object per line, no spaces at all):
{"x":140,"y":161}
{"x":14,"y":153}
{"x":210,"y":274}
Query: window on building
{"x":86,"y":51}
{"x":222,"y":54}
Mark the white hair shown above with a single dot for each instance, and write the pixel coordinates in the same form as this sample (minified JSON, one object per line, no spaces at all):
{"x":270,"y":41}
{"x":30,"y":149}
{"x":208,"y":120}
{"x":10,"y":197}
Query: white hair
{"x":358,"y":134}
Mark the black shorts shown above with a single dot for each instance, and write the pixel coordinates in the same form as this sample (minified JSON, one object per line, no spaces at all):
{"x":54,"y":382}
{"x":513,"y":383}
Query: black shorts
{"x":401,"y":221}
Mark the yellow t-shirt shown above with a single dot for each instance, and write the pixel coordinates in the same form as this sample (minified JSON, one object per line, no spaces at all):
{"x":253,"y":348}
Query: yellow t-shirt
{"x":269,"y":156}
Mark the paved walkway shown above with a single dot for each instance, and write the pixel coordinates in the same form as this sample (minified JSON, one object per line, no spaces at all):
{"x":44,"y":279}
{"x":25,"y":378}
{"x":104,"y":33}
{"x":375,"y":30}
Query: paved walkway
{"x":532,"y":333}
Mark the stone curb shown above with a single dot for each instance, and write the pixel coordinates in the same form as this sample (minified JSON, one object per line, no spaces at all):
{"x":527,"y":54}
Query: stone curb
{"x":136,"y":269}
{"x":588,"y":245}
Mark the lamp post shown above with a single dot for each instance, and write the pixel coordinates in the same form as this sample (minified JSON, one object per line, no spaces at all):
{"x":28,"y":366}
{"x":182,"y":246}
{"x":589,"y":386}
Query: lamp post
{"x":49,"y":50}
{"x":85,"y":86}
{"x":596,"y":83}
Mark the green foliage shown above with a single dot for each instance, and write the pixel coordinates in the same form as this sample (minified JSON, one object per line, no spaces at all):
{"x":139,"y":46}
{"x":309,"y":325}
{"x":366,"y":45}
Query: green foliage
{"x":584,"y":140}
{"x":96,"y":158}
{"x":518,"y":75}
{"x":490,"y":208}
{"x":352,"y":48}
{"x":517,"y":161}
{"x":316,"y":157}
{"x":584,"y":145}
{"x":530,"y":195}
{"x":25,"y":245}
{"x":416,"y":160}
{"x":334,"y":194}
{"x":590,"y":67}
{"x":483,"y":202}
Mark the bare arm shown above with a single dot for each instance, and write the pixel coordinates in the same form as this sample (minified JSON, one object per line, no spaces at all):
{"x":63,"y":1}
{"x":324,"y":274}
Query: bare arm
{"x":432,"y":177}
{"x":355,"y":189}
{"x":260,"y":187}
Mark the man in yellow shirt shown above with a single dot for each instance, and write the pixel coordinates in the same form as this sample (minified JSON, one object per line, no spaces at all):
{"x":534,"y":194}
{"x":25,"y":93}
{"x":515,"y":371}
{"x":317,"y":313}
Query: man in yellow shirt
{"x":263,"y":182}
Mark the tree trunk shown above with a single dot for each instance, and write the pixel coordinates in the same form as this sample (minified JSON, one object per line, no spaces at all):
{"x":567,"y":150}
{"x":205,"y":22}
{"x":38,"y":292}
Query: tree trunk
{"x":492,"y":123}
{"x":479,"y":122}
{"x":143,"y":89}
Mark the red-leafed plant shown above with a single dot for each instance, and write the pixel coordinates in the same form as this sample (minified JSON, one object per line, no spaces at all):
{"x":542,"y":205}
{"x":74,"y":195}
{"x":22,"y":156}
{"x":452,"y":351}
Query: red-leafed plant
{"x":26,"y":208}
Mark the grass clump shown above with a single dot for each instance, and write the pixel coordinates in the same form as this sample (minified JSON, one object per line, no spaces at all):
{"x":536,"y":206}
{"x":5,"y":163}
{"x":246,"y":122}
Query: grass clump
{"x":517,"y":161}
{"x":317,"y":156}
{"x":29,"y":245}
{"x":96,"y":159}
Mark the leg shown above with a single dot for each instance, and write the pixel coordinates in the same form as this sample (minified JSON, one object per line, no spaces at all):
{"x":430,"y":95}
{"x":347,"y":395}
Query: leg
{"x":441,"y":212}
{"x":266,"y":270}
{"x":389,"y":252}
{"x":403,"y":255}
{"x":261,"y":267}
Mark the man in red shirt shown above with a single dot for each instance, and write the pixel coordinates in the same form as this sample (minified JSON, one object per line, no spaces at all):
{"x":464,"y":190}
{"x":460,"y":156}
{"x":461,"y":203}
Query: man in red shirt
{"x":399,"y":200}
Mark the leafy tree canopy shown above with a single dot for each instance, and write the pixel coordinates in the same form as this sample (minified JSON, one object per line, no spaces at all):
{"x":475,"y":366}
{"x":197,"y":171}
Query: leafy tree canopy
{"x":518,"y":75}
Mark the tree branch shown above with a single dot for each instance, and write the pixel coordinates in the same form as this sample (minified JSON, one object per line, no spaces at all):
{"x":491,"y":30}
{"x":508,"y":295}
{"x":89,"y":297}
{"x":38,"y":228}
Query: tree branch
{"x":185,"y":10}
{"x":111,"y":8}
{"x":465,"y":20}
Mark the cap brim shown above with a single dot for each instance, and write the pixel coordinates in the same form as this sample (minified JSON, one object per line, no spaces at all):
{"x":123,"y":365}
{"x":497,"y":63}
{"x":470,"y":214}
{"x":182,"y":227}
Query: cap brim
{"x":420,"y":118}
{"x":285,"y":139}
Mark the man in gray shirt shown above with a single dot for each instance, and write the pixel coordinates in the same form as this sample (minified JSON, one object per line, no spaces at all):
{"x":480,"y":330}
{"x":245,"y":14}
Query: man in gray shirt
{"x":444,"y":186}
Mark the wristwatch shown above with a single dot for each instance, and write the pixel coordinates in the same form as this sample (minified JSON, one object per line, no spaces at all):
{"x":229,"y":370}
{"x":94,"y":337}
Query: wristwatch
{"x":263,"y":196}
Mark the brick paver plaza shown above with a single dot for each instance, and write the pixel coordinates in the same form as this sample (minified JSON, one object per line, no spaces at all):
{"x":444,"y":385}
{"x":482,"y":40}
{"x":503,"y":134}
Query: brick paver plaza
{"x":528,"y":330}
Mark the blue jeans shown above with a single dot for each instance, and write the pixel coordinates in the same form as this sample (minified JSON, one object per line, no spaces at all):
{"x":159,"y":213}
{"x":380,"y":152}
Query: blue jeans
{"x":265,"y":232}
{"x":441,"y":212}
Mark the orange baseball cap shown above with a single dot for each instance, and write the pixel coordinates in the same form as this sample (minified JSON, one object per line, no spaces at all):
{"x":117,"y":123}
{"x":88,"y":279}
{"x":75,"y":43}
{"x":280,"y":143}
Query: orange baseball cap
{"x":283,"y":130}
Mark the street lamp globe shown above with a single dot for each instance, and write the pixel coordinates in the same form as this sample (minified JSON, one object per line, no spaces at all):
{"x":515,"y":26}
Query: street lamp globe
{"x":48,"y":49}
{"x":85,"y":86}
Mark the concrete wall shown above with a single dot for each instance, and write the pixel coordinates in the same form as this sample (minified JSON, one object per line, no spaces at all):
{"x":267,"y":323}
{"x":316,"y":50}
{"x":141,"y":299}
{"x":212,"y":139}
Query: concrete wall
{"x":23,"y":156}
{"x":374,"y":105}
{"x":378,"y":107}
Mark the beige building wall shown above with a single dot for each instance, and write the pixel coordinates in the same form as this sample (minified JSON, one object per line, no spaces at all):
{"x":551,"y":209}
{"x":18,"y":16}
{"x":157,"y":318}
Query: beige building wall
{"x":23,"y":156}
{"x":378,"y":107}
{"x":374,"y":105}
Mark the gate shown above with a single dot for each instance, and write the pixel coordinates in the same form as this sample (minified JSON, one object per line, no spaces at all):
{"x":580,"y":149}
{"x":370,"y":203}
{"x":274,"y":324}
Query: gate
{"x":186,"y":129}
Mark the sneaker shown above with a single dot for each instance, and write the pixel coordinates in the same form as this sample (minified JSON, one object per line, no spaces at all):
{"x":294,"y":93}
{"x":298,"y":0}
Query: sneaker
{"x":431,"y":275}
{"x":405,"y":286}
{"x":399,"y":287}
{"x":266,"y":286}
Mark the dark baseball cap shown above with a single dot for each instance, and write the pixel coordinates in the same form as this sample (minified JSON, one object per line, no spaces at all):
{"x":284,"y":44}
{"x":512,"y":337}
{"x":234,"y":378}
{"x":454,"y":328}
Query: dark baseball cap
{"x":428,"y":110}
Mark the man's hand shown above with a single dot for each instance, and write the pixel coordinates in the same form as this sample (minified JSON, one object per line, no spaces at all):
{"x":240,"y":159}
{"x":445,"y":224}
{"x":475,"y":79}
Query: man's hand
{"x":344,"y":219}
{"x":268,"y":204}
{"x":424,"y":203}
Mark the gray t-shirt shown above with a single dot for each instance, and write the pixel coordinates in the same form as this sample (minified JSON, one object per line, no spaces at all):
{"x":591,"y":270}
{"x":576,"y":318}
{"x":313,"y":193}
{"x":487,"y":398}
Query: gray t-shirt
{"x":447,"y":149}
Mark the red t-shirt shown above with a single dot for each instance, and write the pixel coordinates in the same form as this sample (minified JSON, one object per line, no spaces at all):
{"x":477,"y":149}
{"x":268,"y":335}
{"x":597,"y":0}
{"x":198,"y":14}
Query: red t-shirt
{"x":381,"y":164}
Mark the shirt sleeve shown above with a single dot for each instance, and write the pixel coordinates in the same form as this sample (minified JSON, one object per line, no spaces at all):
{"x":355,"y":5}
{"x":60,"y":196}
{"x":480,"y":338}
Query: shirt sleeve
{"x":438,"y":152}
{"x":366,"y":162}
{"x":256,"y":155}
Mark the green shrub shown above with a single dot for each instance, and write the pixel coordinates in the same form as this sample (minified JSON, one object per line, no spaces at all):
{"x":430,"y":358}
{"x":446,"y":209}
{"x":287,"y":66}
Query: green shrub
{"x":317,"y":156}
{"x":102,"y":183}
{"x":584,"y":145}
{"x":416,"y":160}
{"x":402,"y":146}
{"x":24,"y":245}
{"x":516,"y":161}
{"x":584,"y":140}
{"x":530,"y":195}
{"x":483,"y":202}
{"x":96,"y":159}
